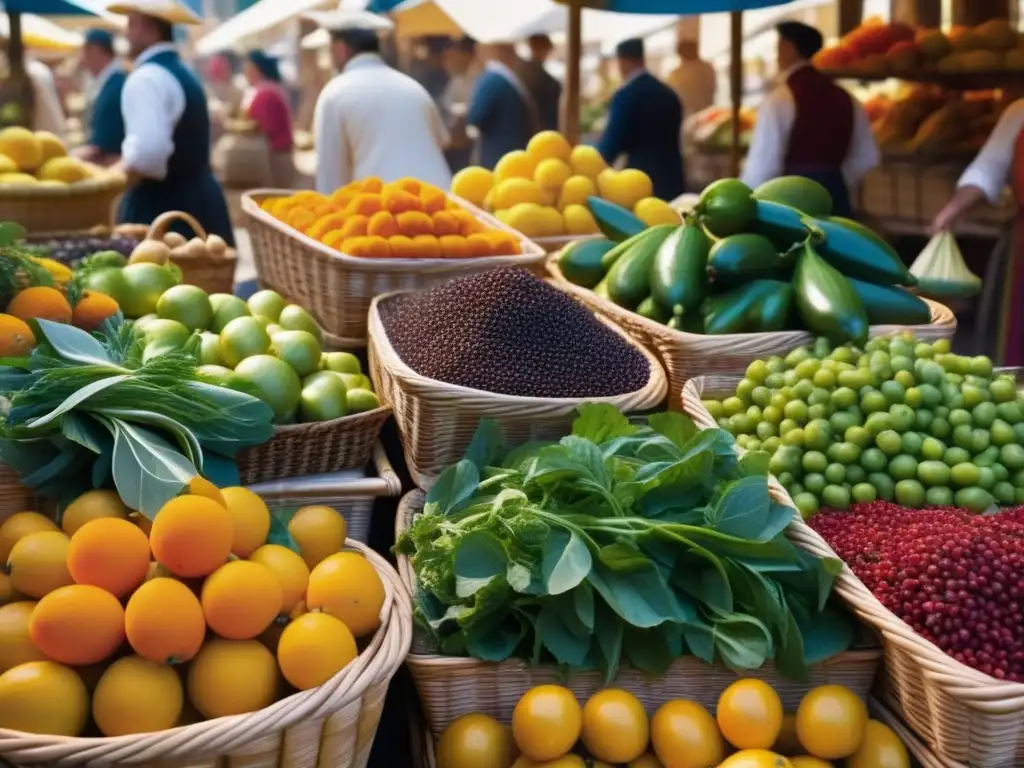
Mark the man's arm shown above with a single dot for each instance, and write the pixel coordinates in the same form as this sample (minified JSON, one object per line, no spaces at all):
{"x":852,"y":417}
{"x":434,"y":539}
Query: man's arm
{"x":152,"y":103}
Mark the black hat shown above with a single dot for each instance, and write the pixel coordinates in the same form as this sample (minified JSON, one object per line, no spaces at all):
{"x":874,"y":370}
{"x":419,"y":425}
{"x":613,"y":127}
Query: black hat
{"x":630,"y":49}
{"x":806,"y":39}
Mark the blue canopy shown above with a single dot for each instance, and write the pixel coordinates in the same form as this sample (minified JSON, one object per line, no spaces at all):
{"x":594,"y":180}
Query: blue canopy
{"x":634,"y":6}
{"x":48,"y":7}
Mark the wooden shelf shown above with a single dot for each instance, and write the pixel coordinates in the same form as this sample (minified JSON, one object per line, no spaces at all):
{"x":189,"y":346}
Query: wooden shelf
{"x":957,"y":81}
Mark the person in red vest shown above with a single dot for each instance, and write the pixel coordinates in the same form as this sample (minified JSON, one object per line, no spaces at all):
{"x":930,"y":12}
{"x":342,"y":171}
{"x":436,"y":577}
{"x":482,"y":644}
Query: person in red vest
{"x":809,"y":126}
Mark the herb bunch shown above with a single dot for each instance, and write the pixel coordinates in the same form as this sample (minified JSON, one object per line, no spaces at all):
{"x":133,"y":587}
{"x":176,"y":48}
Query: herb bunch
{"x":619,"y":543}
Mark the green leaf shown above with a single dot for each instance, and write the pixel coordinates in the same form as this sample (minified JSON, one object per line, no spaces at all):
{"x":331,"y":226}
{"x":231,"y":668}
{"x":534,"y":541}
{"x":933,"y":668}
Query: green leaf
{"x":608,"y":631}
{"x":641,"y":598}
{"x":706,"y":584}
{"x":479,"y":557}
{"x":688,"y":470}
{"x":81,"y":429}
{"x":61,"y":463}
{"x":560,"y":641}
{"x":679,"y":497}
{"x":148,"y":471}
{"x":486,"y":445}
{"x":743,"y":642}
{"x":754,"y":463}
{"x":677,"y":427}
{"x":183,"y":436}
{"x":279,"y":519}
{"x":624,"y":556}
{"x":598,"y":422}
{"x":789,"y":652}
{"x":11,"y":232}
{"x":454,"y":487}
{"x":566,"y":562}
{"x":77,"y":399}
{"x":742,"y":510}
{"x":779,"y":518}
{"x":587,"y":455}
{"x":74,"y":344}
{"x":494,"y":642}
{"x":653,"y":650}
{"x":829,"y":633}
{"x":583,"y":605}
{"x":700,"y":640}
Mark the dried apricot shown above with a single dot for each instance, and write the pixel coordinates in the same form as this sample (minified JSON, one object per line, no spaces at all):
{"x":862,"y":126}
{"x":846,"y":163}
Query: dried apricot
{"x":454,"y":246}
{"x":281,"y":207}
{"x":325,"y":224}
{"x":479,"y":245}
{"x":92,"y":309}
{"x":364,"y":203}
{"x":16,"y":338}
{"x":433,"y":199}
{"x":446,"y":223}
{"x":377,"y":247}
{"x":407,"y":184}
{"x":42,"y":302}
{"x":301,"y":218}
{"x":412,"y":223}
{"x":502,"y":243}
{"x":427,"y":247}
{"x":355,"y":226}
{"x":342,"y":197}
{"x":382,"y":224}
{"x":399,"y":201}
{"x":372,"y":184}
{"x":325,"y":209}
{"x":333,"y":239}
{"x":402,"y":247}
{"x":469,"y":224}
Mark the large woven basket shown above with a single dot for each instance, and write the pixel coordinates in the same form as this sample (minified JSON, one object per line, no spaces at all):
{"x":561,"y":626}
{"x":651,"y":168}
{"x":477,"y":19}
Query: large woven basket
{"x":450,"y":686}
{"x":437,"y":420}
{"x":214,"y":273}
{"x":314,"y":448}
{"x":962,"y":714}
{"x":686,"y":355}
{"x":918,"y":749}
{"x":78,"y":206}
{"x":353,"y":497}
{"x":337,"y":288}
{"x":333,"y":725}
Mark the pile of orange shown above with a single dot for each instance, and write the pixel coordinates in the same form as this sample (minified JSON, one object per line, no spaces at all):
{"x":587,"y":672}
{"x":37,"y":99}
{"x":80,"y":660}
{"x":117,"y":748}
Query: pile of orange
{"x":405,"y":219}
{"x":748,"y":730}
{"x":144,"y":625}
{"x":46,"y":303}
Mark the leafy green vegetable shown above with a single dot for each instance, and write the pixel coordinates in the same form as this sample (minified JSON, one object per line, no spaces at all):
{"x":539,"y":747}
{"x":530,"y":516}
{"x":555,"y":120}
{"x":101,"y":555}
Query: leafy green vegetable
{"x":619,"y":543}
{"x":84,"y":412}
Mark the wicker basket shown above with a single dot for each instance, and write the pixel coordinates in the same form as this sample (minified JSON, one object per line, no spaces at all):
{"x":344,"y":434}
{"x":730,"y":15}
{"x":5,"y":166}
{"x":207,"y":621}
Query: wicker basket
{"x":685,"y":355}
{"x":14,"y":497}
{"x":336,"y":288}
{"x":353,"y":497}
{"x":315,"y":448}
{"x":918,"y":749}
{"x":962,"y":714}
{"x":214,"y":273}
{"x":437,"y":420}
{"x":74,"y":207}
{"x":333,"y":725}
{"x":450,"y":686}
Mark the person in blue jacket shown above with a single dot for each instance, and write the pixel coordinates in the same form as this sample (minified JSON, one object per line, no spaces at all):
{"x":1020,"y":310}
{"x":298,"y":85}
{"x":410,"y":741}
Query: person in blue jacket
{"x":645,"y":118}
{"x":502,"y":109}
{"x":104,"y":120}
{"x":166,"y":149}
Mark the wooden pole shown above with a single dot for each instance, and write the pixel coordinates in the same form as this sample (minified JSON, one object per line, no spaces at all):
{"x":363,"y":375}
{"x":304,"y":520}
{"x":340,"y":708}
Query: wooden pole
{"x":15,"y":46}
{"x":736,"y":87}
{"x":851,"y":13}
{"x":571,"y":129}
{"x":970,"y":13}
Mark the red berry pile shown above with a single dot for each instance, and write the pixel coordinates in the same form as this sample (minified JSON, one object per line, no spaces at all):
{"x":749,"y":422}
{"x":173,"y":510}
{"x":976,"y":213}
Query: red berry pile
{"x":955,"y":577}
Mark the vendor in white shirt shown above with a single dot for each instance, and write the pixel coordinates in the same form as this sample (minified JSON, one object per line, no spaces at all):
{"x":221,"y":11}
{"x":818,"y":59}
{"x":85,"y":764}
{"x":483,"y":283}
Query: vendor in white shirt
{"x":809,"y":126}
{"x":1000,"y":162}
{"x":166,"y":149}
{"x":372,"y":120}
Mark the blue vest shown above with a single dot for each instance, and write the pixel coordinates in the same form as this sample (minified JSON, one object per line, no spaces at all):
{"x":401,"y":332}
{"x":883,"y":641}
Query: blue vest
{"x":189,"y":185}
{"x":502,"y":116}
{"x":107,"y":122}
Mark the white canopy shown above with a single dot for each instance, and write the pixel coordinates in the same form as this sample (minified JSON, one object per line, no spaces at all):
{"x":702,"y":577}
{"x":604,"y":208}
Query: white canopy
{"x":40,"y":33}
{"x":260,"y":17}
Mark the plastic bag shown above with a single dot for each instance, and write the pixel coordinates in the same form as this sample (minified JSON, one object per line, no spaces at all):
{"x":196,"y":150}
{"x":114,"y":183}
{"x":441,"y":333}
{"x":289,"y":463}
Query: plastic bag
{"x":941,"y":271}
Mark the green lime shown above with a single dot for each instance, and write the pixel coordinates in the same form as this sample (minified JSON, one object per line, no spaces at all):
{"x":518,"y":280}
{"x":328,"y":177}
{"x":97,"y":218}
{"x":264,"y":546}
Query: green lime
{"x":209,"y":349}
{"x":108,"y":281}
{"x":940,"y":428}
{"x":1012,"y":456}
{"x":844,"y":397}
{"x":775,"y":364}
{"x":144,"y":285}
{"x":864,"y":493}
{"x":1000,"y":473}
{"x":902,"y":417}
{"x":806,"y":504}
{"x":824,"y":378}
{"x":964,"y":474}
{"x":806,"y":369}
{"x":933,"y":473}
{"x":787,"y":426}
{"x":912,"y":443}
{"x":794,"y":436}
{"x":771,"y":414}
{"x":765,"y":430}
{"x":267,"y":303}
{"x":818,"y":435}
{"x":844,"y":453}
{"x":873,"y":402}
{"x":973,"y":395}
{"x":218,"y":374}
{"x":733,"y":405}
{"x":759,"y":395}
{"x":903,"y":467}
{"x":814,"y":461}
{"x":923,"y":419}
{"x":272,"y":380}
{"x":963,"y":436}
{"x":974,"y":499}
{"x":931,"y":396}
{"x":905,"y":379}
{"x":932,"y":449}
{"x":873,"y":460}
{"x":877,"y":423}
{"x":843,"y":355}
{"x":187,"y":304}
{"x":225,"y":309}
{"x":836,"y":496}
{"x":986,"y":478}
{"x":743,"y":389}
{"x":1003,"y":389}
{"x":757,"y":371}
{"x":941,"y":346}
{"x":981,"y":366}
{"x":842,"y":421}
{"x":786,"y":459}
{"x":362,"y":400}
{"x":815,"y":482}
{"x":855,"y":474}
{"x":300,"y":350}
{"x":323,"y":395}
{"x":241,"y":338}
{"x":295,"y":318}
{"x":819,"y":396}
{"x":893,"y":391}
{"x":753,"y":412}
{"x":835,"y":474}
{"x":956,"y":455}
{"x":929,"y":372}
{"x":787,"y":480}
{"x":884,"y":484}
{"x":938,"y":497}
{"x":889,"y":442}
{"x":796,"y":410}
{"x":771,"y":445}
{"x":714,"y":407}
{"x":1001,"y":433}
{"x":959,"y":417}
{"x":166,"y":333}
{"x":858,"y":436}
{"x":910,"y":493}
{"x":913,"y":397}
{"x":1003,"y":493}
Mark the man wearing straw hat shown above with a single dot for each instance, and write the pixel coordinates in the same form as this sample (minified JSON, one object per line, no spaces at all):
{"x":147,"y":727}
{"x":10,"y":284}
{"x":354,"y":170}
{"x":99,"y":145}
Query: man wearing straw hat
{"x":106,"y":124}
{"x":166,"y":150}
{"x":372,"y":120}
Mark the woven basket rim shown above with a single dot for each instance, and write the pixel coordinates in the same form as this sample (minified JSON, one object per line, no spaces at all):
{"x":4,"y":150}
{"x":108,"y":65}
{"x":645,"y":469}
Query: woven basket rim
{"x":109,"y":182}
{"x":531,"y":252}
{"x":940,"y":315}
{"x":376,"y":663}
{"x":973,"y":688}
{"x":655,"y":389}
{"x":352,"y":418}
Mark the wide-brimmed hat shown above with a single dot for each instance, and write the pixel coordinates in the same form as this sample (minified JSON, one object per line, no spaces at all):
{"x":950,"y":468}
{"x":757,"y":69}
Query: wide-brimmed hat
{"x":171,"y":11}
{"x":343,"y":20}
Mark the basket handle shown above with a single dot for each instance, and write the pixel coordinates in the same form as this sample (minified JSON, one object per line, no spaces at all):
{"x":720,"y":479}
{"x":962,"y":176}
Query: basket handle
{"x":162,"y":223}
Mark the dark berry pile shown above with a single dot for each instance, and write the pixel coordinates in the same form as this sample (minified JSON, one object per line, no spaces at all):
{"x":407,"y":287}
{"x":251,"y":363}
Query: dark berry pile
{"x":955,"y":577}
{"x":71,"y":250}
{"x":508,"y":332}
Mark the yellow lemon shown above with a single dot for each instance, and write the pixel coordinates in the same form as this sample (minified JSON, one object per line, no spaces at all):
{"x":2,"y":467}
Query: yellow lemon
{"x":16,"y":646}
{"x":626,"y":188}
{"x":579,"y":220}
{"x":473,"y":184}
{"x":18,"y":179}
{"x":137,"y":696}
{"x":19,"y":525}
{"x":8,"y":594}
{"x":90,"y":506}
{"x":549,"y":196}
{"x":348,"y":587}
{"x":503,"y":216}
{"x":550,"y":222}
{"x":229,"y":677}
{"x":23,"y":147}
{"x":552,"y":173}
{"x":291,"y":572}
{"x":525,"y":218}
{"x":319,"y":532}
{"x":511,"y":192}
{"x":515,"y":165}
{"x":251,"y":520}
{"x":51,"y":144}
{"x":587,"y":161}
{"x":653,"y":211}
{"x":7,"y":165}
{"x":488,"y":204}
{"x":548,"y":145}
{"x":38,"y":563}
{"x":64,"y":169}
{"x":314,"y":648}
{"x":575,"y":191}
{"x":43,"y":697}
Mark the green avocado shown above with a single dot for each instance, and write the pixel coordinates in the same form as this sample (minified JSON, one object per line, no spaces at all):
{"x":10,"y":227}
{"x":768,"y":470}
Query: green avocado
{"x":726,"y":207}
{"x":807,"y":196}
{"x":580,"y":261}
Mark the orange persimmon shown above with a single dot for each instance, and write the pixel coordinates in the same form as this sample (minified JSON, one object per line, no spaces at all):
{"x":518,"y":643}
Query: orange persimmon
{"x":382,"y":224}
{"x":433,"y":199}
{"x":454,"y":247}
{"x":342,"y":197}
{"x":399,"y":201}
{"x":412,"y":223}
{"x":365,"y":204}
{"x":427,"y":247}
{"x":446,"y":223}
{"x":354,"y":226}
{"x":402,"y":247}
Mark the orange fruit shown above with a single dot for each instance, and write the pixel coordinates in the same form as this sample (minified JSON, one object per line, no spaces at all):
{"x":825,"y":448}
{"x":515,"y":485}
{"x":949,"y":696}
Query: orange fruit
{"x":92,"y":309}
{"x":831,"y":721}
{"x":16,"y":338}
{"x":18,"y":525}
{"x":229,"y":677}
{"x":251,"y":520}
{"x":313,"y":649}
{"x":476,"y":741}
{"x":347,"y":587}
{"x":43,"y":697}
{"x":615,"y":727}
{"x":749,"y":714}
{"x":137,"y":696}
{"x":164,"y":621}
{"x":79,"y":624}
{"x":38,"y":563}
{"x":41,"y":302}
{"x":111,"y":554}
{"x":547,"y":722}
{"x":289,"y":569}
{"x":191,"y":536}
{"x":685,"y":735}
{"x":16,"y":646}
{"x":755,"y":758}
{"x":200,"y":486}
{"x":240,"y":599}
{"x":880,"y":748}
{"x":319,"y":532}
{"x":89,"y":506}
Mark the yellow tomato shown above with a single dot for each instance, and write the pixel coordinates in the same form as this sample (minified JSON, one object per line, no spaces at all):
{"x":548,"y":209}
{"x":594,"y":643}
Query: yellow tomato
{"x":615,"y":726}
{"x":646,"y":760}
{"x":749,"y":713}
{"x":547,"y":722}
{"x":881,"y":748}
{"x":830,"y":722}
{"x":807,"y":761}
{"x":475,"y":741}
{"x":685,"y":735}
{"x":756,"y":758}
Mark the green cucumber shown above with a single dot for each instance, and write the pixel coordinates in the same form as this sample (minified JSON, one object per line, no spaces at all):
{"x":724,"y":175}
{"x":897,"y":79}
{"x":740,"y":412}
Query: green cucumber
{"x":734,"y":311}
{"x":615,"y":222}
{"x":781,"y":224}
{"x":609,"y":258}
{"x":679,"y":271}
{"x":629,"y":278}
{"x":726,"y":207}
{"x":804,"y":194}
{"x":580,"y":261}
{"x":890,"y":305}
{"x":739,"y":259}
{"x":856,"y":255}
{"x":772,"y":312}
{"x":652,"y":310}
{"x":828,"y":304}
